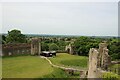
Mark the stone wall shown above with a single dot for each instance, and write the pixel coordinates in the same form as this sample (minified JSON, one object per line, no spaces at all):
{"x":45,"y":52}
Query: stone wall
{"x":93,"y":59}
{"x":104,"y":59}
{"x":16,"y":49}
{"x":35,"y":46}
{"x":69,"y":49}
{"x":99,"y":60}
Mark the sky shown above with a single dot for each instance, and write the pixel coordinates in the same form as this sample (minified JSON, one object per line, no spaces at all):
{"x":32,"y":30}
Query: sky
{"x":61,"y":18}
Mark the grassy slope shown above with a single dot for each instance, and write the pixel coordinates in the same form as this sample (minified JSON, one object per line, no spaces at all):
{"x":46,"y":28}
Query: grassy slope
{"x":0,"y":67}
{"x":25,"y":66}
{"x":35,"y":67}
{"x":70,"y":60}
{"x":57,"y":73}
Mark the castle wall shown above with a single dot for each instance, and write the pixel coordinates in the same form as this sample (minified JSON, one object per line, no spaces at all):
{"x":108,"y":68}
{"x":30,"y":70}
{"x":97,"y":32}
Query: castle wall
{"x":99,"y":60}
{"x":16,"y":49}
{"x":35,"y":46}
{"x":69,"y":49}
{"x":93,"y":59}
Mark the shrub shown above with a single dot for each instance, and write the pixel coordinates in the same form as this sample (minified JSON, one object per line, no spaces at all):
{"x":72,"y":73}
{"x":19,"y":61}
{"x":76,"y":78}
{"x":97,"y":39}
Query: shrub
{"x":110,"y":76}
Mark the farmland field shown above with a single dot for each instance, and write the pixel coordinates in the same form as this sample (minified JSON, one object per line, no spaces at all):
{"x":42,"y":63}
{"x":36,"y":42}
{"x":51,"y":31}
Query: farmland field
{"x":36,"y":67}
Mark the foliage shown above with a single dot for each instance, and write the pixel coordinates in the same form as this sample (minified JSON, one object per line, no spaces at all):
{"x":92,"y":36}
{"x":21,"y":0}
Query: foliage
{"x":61,"y":45}
{"x":110,"y":76}
{"x":53,"y":46}
{"x":83,"y":44}
{"x":3,"y":39}
{"x":44,"y":46}
{"x":15,"y":36}
{"x":114,"y":49}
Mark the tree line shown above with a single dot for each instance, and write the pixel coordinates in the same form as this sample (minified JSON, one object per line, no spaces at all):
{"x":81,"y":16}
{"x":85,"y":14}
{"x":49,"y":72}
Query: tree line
{"x":81,"y":44}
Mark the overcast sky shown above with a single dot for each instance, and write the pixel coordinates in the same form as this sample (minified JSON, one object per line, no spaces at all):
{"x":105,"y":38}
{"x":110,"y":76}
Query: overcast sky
{"x":64,"y":18}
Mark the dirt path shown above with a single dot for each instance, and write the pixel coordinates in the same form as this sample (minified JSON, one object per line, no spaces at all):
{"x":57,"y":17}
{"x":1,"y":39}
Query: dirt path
{"x":61,"y":67}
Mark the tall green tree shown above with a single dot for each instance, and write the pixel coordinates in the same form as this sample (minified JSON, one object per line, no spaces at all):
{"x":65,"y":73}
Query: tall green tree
{"x":83,"y":44}
{"x":45,"y":47}
{"x":15,"y":36}
{"x":114,"y":49}
{"x":53,"y":46}
{"x":3,"y":39}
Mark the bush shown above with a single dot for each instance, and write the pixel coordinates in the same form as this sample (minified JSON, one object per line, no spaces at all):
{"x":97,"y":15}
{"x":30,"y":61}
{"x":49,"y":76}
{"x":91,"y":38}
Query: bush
{"x":110,"y":76}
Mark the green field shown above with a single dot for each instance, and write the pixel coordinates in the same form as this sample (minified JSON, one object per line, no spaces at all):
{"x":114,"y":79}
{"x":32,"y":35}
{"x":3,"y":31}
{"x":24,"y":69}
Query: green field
{"x":36,"y":67}
{"x":25,"y":66}
{"x":68,"y":60}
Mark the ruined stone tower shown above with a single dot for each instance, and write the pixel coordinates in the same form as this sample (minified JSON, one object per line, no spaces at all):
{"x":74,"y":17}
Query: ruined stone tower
{"x":92,"y":69}
{"x":98,"y":60}
{"x":69,"y":49}
{"x":104,"y":58}
{"x":102,"y":47}
{"x":35,"y":46}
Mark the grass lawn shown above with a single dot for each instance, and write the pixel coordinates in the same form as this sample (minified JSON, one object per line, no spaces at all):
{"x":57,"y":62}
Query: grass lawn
{"x":36,"y":67}
{"x":59,"y":73}
{"x":0,"y":67}
{"x":68,"y":60}
{"x":25,"y":67}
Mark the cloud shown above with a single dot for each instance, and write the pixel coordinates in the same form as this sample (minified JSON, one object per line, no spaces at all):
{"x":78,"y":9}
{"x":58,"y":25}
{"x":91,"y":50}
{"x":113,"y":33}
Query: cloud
{"x":61,"y":18}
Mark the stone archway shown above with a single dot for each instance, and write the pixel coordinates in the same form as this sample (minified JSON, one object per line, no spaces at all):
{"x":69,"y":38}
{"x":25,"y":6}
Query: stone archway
{"x":69,"y":49}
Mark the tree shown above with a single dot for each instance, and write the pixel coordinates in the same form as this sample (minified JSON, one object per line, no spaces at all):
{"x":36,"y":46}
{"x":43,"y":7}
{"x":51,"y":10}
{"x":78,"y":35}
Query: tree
{"x":114,"y":49}
{"x":3,"y":39}
{"x":45,"y":47}
{"x":15,"y":36}
{"x":83,"y":44}
{"x":61,"y":45}
{"x":53,"y":46}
